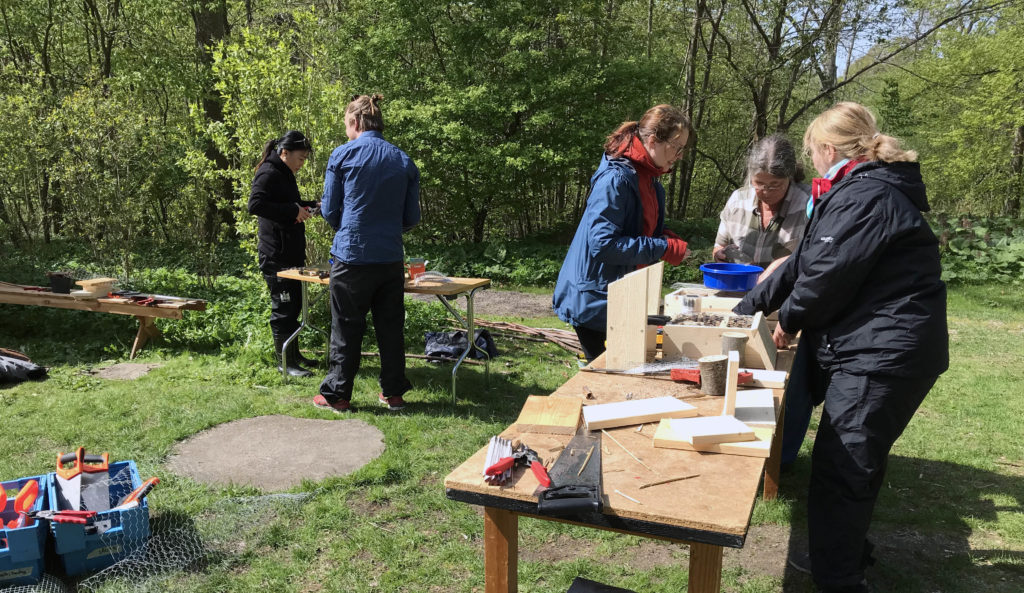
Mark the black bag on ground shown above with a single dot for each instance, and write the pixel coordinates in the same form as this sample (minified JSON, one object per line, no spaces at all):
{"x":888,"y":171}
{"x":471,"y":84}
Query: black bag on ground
{"x":15,"y":367}
{"x":582,"y":585}
{"x":452,"y":344}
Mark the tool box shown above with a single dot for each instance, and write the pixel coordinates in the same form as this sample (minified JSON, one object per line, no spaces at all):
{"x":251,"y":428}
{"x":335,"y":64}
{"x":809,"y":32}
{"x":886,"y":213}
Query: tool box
{"x":22,"y":548}
{"x":113,"y":533}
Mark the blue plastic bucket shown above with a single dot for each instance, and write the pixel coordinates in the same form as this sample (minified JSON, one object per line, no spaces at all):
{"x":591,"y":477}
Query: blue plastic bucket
{"x":730,"y":277}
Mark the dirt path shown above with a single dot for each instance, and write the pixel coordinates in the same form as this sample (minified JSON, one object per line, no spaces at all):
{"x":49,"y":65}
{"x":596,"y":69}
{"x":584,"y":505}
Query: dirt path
{"x":505,"y":303}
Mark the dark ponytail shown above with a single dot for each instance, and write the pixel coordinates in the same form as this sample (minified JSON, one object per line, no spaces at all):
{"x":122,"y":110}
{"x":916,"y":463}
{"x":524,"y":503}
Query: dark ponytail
{"x":292,"y":140}
{"x":661,"y":121}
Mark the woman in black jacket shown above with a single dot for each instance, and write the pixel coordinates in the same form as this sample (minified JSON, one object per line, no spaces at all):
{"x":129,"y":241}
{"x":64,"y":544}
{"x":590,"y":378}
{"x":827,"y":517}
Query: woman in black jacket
{"x":282,"y":238}
{"x":864,"y":287}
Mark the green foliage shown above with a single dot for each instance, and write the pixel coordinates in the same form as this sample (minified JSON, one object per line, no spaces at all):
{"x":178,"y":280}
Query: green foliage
{"x":981,"y":250}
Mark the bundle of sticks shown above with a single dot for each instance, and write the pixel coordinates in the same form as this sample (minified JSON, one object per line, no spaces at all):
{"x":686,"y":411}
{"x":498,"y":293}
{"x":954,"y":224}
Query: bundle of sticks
{"x":497,"y":449}
{"x":561,"y":337}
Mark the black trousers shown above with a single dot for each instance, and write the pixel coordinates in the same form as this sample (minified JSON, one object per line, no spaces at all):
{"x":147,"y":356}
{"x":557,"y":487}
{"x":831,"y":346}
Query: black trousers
{"x":285,"y":305}
{"x":378,"y":289}
{"x":591,"y":340}
{"x":862,"y":418}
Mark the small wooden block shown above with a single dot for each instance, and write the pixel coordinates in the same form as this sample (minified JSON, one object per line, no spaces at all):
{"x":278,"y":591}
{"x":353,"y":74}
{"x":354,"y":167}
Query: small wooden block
{"x":627,"y":321}
{"x":731,"y":382}
{"x":763,"y":344}
{"x":769,"y":379}
{"x":755,"y":406}
{"x":760,"y":447}
{"x":637,"y":411}
{"x":549,"y":415}
{"x":710,"y":430}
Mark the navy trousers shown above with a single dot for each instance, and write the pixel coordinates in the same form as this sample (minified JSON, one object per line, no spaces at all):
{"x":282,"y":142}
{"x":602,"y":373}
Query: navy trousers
{"x":378,"y":289}
{"x":862,"y":418}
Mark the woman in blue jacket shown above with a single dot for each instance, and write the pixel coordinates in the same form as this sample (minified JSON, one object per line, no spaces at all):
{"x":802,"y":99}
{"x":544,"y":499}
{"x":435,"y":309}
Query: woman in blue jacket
{"x":622,"y":228}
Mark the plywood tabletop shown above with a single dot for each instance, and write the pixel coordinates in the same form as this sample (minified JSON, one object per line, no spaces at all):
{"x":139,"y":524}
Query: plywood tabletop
{"x":451,"y":287}
{"x":720,"y":499}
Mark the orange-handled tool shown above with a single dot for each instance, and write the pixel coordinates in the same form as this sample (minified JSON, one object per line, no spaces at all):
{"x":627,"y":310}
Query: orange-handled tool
{"x":135,"y":496}
{"x":22,"y":503}
{"x":693,"y":376}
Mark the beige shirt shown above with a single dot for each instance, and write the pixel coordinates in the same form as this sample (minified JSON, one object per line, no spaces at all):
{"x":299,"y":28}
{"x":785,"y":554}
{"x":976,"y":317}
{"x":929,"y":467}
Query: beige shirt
{"x":741,"y":226}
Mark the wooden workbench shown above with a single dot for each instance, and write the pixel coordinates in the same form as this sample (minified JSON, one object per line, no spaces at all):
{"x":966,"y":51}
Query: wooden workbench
{"x":708,"y":512}
{"x":37,"y":296}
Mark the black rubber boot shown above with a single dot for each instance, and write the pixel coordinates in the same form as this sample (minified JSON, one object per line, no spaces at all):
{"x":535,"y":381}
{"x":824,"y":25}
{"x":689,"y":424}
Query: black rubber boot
{"x":294,"y":369}
{"x":294,"y":354}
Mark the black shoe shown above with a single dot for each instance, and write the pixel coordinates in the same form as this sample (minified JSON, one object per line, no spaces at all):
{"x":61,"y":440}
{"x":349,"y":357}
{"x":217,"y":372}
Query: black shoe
{"x":294,"y":355}
{"x":293,"y":370}
{"x":800,"y":561}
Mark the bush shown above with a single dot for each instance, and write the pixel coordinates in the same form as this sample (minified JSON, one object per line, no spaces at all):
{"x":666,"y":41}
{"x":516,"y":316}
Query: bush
{"x":977,"y":250}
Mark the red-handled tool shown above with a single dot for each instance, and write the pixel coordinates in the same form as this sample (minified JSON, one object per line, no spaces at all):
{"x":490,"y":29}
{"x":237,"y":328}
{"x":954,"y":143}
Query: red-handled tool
{"x":135,"y":496}
{"x":693,"y":376}
{"x":3,"y":499}
{"x":79,"y":517}
{"x":521,"y":455}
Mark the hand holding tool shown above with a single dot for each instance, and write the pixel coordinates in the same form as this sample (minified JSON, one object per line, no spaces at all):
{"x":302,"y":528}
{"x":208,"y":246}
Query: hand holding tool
{"x":520,"y":456}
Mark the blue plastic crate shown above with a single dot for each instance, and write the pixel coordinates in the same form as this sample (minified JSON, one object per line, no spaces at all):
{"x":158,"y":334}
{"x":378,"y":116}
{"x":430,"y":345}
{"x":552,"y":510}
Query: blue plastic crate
{"x":21,"y":558}
{"x":112,"y":535}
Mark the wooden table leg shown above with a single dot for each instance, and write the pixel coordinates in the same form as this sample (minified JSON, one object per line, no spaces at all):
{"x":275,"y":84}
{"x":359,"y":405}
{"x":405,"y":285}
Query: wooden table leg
{"x":705,"y":569}
{"x":501,"y":551}
{"x":147,"y":330}
{"x":773,"y":465}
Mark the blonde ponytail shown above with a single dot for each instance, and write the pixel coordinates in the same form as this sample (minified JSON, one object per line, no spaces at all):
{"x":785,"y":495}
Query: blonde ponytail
{"x":366,"y":111}
{"x":853,"y":131}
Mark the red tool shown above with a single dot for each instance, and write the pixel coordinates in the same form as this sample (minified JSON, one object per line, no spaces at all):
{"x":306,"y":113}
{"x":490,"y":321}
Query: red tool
{"x":22,"y":503}
{"x":693,"y":376}
{"x":520,"y":456}
{"x":79,"y":517}
{"x":3,"y":497}
{"x":135,"y":496}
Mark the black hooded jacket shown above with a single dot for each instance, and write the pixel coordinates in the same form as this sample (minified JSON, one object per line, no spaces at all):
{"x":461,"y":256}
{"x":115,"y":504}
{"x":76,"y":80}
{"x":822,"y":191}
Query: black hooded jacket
{"x":275,"y":200}
{"x":863,"y":285}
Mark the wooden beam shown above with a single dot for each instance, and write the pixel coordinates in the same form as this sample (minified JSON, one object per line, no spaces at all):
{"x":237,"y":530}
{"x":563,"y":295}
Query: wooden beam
{"x":705,"y":569}
{"x":147,"y":330}
{"x":501,"y":551}
{"x":731,"y":382}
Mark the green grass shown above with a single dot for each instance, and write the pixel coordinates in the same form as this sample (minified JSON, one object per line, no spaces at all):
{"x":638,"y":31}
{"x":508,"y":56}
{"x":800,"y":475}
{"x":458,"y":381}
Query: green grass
{"x":950,"y":514}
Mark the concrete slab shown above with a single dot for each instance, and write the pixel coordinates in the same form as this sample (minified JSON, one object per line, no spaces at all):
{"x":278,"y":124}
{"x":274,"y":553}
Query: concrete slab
{"x":275,"y":453}
{"x":126,"y":371}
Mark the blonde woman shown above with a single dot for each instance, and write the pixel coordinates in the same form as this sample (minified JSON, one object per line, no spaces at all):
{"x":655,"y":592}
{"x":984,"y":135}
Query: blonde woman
{"x":371,"y":196}
{"x":864,"y":287}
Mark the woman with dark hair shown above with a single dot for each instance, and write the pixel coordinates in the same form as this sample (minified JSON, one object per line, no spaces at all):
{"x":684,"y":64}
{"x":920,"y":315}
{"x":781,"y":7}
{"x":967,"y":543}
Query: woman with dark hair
{"x":623,"y":226}
{"x":864,"y":287}
{"x":371,"y":197}
{"x":282,"y":238}
{"x":763,"y":222}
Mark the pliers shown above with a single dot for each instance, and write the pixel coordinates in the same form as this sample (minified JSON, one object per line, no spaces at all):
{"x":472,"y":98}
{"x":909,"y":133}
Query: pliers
{"x":79,"y":517}
{"x":521,"y":455}
{"x":693,"y":376}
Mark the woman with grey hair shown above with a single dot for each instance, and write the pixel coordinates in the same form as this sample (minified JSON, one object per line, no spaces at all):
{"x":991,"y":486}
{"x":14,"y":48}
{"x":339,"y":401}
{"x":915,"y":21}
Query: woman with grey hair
{"x":763,"y":222}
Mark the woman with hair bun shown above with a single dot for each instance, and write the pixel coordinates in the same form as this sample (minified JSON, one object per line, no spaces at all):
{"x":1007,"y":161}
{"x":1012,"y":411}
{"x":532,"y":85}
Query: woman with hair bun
{"x":282,"y":214}
{"x":864,"y":287}
{"x":623,"y":226}
{"x":371,"y":197}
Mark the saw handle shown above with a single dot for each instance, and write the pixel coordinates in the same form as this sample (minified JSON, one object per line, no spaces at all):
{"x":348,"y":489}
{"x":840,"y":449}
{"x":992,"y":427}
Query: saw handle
{"x":139,"y":493}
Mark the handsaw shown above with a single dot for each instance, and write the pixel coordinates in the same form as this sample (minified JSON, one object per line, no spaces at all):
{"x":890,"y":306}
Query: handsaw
{"x":575,"y":478}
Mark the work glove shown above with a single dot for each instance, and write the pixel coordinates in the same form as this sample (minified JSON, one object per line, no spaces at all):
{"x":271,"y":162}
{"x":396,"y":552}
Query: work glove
{"x":675,"y":252}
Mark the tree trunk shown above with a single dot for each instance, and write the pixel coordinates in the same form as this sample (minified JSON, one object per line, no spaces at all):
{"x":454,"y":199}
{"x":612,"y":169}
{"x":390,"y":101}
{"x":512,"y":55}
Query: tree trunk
{"x":1012,"y":205}
{"x":211,"y":25}
{"x":479,"y":222}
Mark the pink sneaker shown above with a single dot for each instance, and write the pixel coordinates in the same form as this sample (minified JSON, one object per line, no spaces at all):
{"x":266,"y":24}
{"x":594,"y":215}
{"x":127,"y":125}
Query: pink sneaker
{"x":394,"y":403}
{"x":341,"y":406}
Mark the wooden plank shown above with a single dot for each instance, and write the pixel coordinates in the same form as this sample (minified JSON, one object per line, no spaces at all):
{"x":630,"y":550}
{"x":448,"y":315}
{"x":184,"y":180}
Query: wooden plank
{"x":66,"y":301}
{"x":147,"y":330}
{"x":549,"y":415}
{"x":709,"y":430}
{"x":654,"y":276}
{"x":87,"y":284}
{"x":764,"y":346}
{"x":627,"y":321}
{"x":765,"y":378}
{"x":705,"y":574}
{"x":637,"y":411}
{"x":693,"y":342}
{"x":715,"y":304}
{"x":755,"y":406}
{"x":664,"y":437}
{"x":501,"y":551}
{"x":731,"y":382}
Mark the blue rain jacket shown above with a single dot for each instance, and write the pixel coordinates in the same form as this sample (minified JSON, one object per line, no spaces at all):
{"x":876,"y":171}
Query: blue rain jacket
{"x":608,"y":244}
